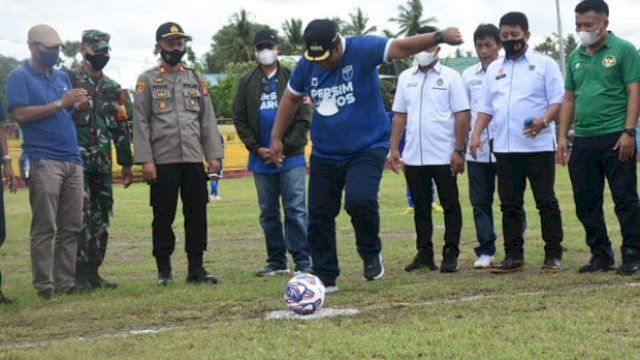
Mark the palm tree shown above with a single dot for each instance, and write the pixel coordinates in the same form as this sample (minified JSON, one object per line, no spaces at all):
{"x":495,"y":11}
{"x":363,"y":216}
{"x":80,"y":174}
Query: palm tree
{"x":340,"y":24}
{"x":358,"y":24}
{"x":293,"y":33}
{"x":409,"y":18}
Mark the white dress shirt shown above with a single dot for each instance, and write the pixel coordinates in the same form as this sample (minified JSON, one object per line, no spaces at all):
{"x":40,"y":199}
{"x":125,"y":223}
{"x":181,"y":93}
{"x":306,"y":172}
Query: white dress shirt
{"x":517,"y":90}
{"x":474,"y":78}
{"x":430,"y":101}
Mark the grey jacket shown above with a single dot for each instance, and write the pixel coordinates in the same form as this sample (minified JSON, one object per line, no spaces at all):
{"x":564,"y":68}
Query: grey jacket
{"x":173,"y":118}
{"x":246,"y":108}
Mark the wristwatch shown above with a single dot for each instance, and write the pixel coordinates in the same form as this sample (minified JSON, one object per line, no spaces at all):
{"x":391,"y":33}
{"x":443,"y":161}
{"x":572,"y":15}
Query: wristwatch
{"x":439,"y":37}
{"x":630,"y":131}
{"x":58,"y":104}
{"x":460,"y":152}
{"x":6,"y":157}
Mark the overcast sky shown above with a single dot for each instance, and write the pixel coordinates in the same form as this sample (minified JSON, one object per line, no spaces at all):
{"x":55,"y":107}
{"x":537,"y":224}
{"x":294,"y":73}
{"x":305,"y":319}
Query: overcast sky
{"x":132,"y":23}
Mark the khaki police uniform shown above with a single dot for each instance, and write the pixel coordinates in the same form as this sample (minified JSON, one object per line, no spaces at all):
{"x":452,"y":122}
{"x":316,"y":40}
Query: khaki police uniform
{"x":174,"y":127}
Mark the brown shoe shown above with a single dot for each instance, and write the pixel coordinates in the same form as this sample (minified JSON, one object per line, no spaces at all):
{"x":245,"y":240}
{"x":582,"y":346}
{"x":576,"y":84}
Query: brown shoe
{"x":509,"y":265}
{"x":552,"y":265}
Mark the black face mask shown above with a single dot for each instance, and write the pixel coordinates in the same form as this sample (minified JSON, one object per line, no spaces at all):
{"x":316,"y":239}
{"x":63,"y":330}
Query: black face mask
{"x":172,"y":57}
{"x":514,"y":47}
{"x":97,"y":61}
{"x":48,"y":58}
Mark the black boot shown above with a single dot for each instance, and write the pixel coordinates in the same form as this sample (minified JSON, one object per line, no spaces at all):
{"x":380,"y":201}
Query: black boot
{"x":197,"y":273}
{"x":164,"y":270}
{"x":96,"y":281}
{"x":423,"y":259}
{"x":630,"y":261}
{"x":82,"y":276}
{"x":3,"y":299}
{"x":449,"y":260}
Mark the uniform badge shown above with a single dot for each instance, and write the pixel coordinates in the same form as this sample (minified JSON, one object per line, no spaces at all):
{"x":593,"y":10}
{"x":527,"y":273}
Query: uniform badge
{"x":440,"y":82}
{"x":121,"y":114}
{"x":501,"y":74}
{"x":158,"y":80}
{"x":139,"y":87}
{"x":162,"y":105}
{"x":193,"y":102}
{"x":609,"y":61}
{"x":314,"y":81}
{"x":532,"y":67}
{"x":578,"y":66}
{"x":203,"y":88}
{"x":347,"y":73}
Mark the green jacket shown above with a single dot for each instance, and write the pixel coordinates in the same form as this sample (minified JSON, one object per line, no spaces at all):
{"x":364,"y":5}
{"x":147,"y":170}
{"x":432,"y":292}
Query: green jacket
{"x":106,"y":121}
{"x":246,"y":109}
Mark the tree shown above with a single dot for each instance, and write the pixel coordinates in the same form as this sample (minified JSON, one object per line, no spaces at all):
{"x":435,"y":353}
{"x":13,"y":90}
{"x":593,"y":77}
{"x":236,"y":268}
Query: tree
{"x":410,"y":18}
{"x":222,"y":94}
{"x":550,"y":46}
{"x":233,"y":43}
{"x":6,"y":65}
{"x":294,"y":39}
{"x":340,"y":24}
{"x":70,"y":50}
{"x":358,"y":24}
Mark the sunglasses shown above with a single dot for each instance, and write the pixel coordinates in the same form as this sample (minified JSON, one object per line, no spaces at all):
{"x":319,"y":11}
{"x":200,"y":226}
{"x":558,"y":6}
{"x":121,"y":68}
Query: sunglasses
{"x":265,"y":86}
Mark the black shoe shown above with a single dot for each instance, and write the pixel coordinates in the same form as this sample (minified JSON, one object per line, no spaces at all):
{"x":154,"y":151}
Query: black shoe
{"x":597,"y":264}
{"x":45,"y":294}
{"x":82,"y":276}
{"x":373,"y":269}
{"x":551,"y":265}
{"x":509,"y":265}
{"x":449,"y":265}
{"x":74,"y":290}
{"x":5,"y":300}
{"x":99,"y":282}
{"x":164,"y":279}
{"x":423,"y":259}
{"x":201,"y":277}
{"x":628,"y":268}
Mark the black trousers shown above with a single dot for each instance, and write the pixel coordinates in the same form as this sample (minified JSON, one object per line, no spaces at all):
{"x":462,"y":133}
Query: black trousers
{"x":592,"y":160}
{"x":419,"y":182}
{"x":513,"y":171}
{"x":188,"y":180}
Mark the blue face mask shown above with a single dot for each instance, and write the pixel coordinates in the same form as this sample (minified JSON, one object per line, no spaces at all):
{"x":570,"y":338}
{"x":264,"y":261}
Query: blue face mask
{"x":48,"y":58}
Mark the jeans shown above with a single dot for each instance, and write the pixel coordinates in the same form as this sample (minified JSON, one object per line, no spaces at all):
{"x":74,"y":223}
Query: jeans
{"x":592,"y":160}
{"x":290,"y":186}
{"x":419,"y":182}
{"x":482,"y":185}
{"x":55,"y":195}
{"x":360,"y":177}
{"x":513,"y":171}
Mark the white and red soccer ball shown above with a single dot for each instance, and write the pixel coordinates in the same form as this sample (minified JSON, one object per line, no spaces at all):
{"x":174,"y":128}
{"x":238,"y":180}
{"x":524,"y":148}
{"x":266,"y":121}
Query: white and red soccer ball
{"x":304,"y":294}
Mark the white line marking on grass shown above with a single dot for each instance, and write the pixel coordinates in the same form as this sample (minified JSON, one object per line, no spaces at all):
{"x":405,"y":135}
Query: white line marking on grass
{"x":128,"y":333}
{"x":322,"y":313}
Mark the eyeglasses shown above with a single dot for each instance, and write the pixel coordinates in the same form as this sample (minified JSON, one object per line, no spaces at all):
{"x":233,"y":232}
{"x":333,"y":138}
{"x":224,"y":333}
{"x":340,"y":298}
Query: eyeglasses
{"x":265,"y":85}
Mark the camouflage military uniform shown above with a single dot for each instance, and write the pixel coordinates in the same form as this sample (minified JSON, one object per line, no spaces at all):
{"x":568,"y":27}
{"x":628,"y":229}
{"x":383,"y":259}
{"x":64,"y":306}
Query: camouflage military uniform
{"x":96,"y":127}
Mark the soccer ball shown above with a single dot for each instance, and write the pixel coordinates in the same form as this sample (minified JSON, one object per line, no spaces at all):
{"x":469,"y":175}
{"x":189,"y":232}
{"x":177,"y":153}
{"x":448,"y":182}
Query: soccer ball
{"x":304,"y":294}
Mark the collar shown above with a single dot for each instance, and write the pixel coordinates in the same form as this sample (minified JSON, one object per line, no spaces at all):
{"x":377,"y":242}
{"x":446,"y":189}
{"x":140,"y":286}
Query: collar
{"x":525,"y":56}
{"x":163,"y":70}
{"x":437,"y":68}
{"x":33,"y":70}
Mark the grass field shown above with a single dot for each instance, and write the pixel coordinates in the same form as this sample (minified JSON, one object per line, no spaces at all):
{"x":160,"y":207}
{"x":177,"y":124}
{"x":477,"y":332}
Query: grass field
{"x":468,"y":315}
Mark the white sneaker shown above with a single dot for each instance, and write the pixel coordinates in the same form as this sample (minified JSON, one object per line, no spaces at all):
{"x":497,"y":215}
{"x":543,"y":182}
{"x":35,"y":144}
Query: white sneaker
{"x":330,"y":289}
{"x":483,"y":262}
{"x":211,"y":198}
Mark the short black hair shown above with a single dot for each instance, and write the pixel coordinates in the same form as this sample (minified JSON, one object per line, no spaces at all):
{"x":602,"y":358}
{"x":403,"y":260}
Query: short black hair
{"x":597,"y":6}
{"x":426,"y":29}
{"x":487,"y":30}
{"x":515,"y":18}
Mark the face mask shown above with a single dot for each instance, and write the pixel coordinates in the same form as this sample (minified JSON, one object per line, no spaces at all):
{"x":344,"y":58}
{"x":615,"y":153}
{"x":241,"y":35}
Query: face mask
{"x":588,"y":38}
{"x":48,"y":58}
{"x":172,"y":57}
{"x":514,"y":47}
{"x":425,"y":58}
{"x":267,"y":56}
{"x":98,"y":61}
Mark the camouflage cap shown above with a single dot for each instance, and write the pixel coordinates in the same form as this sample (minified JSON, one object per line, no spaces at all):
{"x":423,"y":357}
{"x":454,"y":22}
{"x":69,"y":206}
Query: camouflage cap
{"x":97,"y":39}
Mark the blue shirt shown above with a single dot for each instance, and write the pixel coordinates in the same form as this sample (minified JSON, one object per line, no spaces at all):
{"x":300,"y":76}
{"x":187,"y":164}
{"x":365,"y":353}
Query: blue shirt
{"x":52,"y":137}
{"x":266,"y":118}
{"x":348,"y":116}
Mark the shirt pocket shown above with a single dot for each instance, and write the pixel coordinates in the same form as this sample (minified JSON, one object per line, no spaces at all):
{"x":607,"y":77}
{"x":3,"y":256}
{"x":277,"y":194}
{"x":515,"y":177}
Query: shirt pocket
{"x":192,"y":99}
{"x":162,"y":101}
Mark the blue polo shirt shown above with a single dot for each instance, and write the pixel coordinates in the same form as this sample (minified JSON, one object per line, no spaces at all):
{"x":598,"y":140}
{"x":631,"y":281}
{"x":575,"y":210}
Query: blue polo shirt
{"x":348,"y":116}
{"x":52,"y":137}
